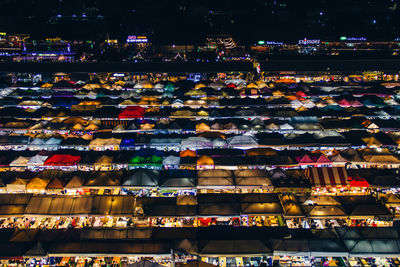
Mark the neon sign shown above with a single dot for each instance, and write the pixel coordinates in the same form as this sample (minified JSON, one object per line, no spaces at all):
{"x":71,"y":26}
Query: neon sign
{"x":136,"y":39}
{"x":306,"y":41}
{"x":356,"y":39}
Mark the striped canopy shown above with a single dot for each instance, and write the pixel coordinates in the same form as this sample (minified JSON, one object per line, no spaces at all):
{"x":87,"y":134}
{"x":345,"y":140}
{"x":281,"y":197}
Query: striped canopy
{"x":328,"y":177}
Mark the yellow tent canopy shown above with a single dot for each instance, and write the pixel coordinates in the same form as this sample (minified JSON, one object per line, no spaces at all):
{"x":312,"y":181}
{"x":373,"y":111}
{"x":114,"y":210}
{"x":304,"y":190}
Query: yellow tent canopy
{"x":288,"y":81}
{"x":77,"y":127}
{"x":89,"y":103}
{"x":37,"y":184}
{"x":146,"y":126}
{"x":74,"y":120}
{"x":183,"y":113}
{"x":195,"y":93}
{"x":128,"y":102}
{"x":202,"y":127}
{"x":149,"y":98}
{"x":202,"y":113}
{"x":261,"y":84}
{"x":91,"y":127}
{"x":252,"y":85}
{"x":277,"y":93}
{"x":91,"y":86}
{"x":122,"y":83}
{"x":205,"y":160}
{"x":199,"y":85}
{"x":193,"y":102}
{"x":46,"y":85}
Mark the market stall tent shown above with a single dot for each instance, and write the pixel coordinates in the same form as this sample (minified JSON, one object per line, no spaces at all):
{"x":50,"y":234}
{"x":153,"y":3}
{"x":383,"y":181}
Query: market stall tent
{"x":358,"y":181}
{"x":196,"y":143}
{"x":328,"y":177}
{"x":59,"y":205}
{"x":141,"y":178}
{"x":328,"y":248}
{"x":178,"y":179}
{"x":323,"y":211}
{"x":338,"y":160}
{"x":103,"y":179}
{"x":62,"y":160}
{"x":290,"y":247}
{"x":244,"y":141}
{"x":37,"y":160}
{"x":131,"y":112}
{"x":365,"y":206}
{"x":322,"y":200}
{"x":37,"y":184}
{"x":217,"y":248}
{"x":103,"y":163}
{"x":20,"y":162}
{"x":253,"y":179}
{"x":24,"y":235}
{"x":372,"y":248}
{"x":322,"y":206}
{"x":204,"y":162}
{"x":214,"y":178}
{"x":56,"y":185}
{"x":187,"y":153}
{"x":76,"y":182}
{"x":171,"y":160}
{"x":261,"y":208}
{"x":290,"y":206}
{"x":18,"y":185}
{"x":186,"y":200}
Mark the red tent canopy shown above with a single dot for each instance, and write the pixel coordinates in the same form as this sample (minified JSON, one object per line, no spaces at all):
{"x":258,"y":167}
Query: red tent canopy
{"x":132,"y":112}
{"x":300,"y":94}
{"x":344,"y":103}
{"x":322,"y":159}
{"x":304,"y":160}
{"x":356,"y":103}
{"x":62,"y":160}
{"x":358,"y":181}
{"x":231,"y":85}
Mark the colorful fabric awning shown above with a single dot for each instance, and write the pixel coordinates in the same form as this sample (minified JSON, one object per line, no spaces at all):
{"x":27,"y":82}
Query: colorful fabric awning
{"x":328,"y":177}
{"x":62,"y":160}
{"x":358,"y":181}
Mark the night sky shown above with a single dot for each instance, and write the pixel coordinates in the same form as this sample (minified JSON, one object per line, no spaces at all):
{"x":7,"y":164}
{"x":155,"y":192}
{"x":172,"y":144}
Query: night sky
{"x":188,"y":21}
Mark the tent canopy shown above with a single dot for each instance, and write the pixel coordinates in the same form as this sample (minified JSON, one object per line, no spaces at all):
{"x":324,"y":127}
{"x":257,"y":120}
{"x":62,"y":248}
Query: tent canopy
{"x":328,"y":176}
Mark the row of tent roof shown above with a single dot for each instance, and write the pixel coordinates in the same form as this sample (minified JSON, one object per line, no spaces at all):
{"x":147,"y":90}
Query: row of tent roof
{"x":210,"y":241}
{"x":213,"y":87}
{"x":203,"y":206}
{"x":130,"y":98}
{"x":134,"y":112}
{"x":144,"y":178}
{"x":292,"y":124}
{"x":202,"y":157}
{"x":125,"y":141}
{"x":278,"y":179}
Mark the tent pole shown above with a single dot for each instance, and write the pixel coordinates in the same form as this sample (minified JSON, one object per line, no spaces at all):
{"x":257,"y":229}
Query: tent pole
{"x":173,"y":258}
